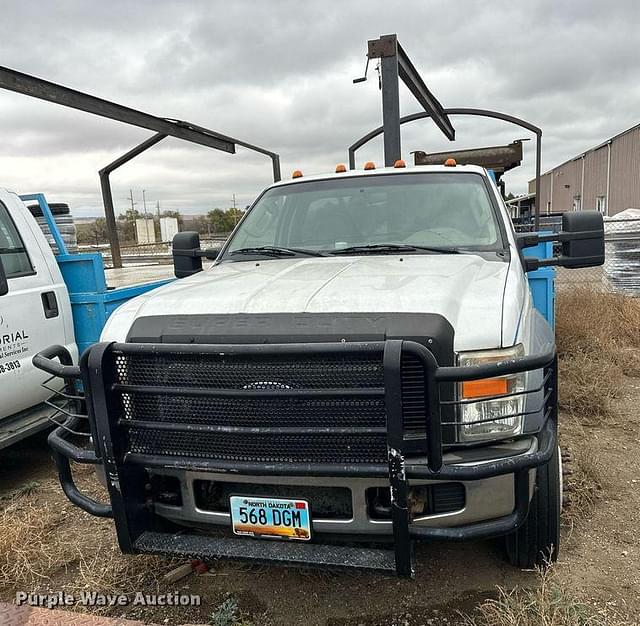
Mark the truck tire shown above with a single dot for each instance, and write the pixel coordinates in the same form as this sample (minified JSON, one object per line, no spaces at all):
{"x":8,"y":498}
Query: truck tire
{"x":64,"y":222}
{"x":57,"y":208}
{"x":537,"y":541}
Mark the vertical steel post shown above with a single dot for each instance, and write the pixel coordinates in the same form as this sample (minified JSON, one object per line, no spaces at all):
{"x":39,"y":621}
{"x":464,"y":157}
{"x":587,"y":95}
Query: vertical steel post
{"x":110,"y":217}
{"x":391,"y":108}
{"x":538,"y":166}
{"x":277,"y":174}
{"x":398,"y":483}
{"x":107,"y":197}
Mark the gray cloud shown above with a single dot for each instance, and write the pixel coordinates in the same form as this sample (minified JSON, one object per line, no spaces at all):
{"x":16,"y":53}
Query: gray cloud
{"x":279,"y":75}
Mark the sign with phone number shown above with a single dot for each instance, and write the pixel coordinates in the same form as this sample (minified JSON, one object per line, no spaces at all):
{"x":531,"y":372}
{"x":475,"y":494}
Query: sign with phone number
{"x":9,"y":366}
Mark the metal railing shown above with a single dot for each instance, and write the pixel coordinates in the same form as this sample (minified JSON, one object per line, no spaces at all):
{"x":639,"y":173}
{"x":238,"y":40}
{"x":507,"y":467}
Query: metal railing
{"x":159,"y":251}
{"x":621,"y":270}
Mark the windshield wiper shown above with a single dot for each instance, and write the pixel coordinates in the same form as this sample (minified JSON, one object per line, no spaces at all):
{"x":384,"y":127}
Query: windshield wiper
{"x":393,"y":247}
{"x":276,"y":251}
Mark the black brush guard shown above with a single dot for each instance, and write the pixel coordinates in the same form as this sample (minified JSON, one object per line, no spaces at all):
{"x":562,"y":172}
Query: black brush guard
{"x":126,"y":471}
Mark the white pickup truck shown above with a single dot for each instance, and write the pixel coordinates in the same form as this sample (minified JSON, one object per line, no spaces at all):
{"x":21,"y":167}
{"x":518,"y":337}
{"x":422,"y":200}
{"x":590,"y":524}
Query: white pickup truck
{"x":34,"y":313}
{"x":362,"y":362}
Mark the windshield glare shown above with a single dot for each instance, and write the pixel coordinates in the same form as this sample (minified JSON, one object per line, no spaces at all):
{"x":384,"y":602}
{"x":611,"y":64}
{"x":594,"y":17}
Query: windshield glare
{"x":426,"y":209}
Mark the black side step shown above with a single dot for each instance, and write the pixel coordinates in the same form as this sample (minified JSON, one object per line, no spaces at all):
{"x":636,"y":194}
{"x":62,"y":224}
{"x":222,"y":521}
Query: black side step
{"x":266,"y":551}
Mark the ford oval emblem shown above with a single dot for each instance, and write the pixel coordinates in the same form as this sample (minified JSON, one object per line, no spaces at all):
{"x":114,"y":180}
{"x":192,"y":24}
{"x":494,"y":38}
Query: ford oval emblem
{"x":266,"y":384}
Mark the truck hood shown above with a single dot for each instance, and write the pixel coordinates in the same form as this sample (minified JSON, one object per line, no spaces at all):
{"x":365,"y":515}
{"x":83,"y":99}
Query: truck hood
{"x":465,"y":289}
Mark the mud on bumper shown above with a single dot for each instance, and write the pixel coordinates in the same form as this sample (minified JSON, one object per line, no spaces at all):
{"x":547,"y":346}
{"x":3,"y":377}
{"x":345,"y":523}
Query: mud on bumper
{"x":133,"y":431}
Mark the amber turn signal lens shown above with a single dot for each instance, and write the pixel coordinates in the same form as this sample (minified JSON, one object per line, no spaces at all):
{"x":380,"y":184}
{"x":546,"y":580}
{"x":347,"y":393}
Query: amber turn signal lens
{"x":450,"y":163}
{"x":341,"y":168}
{"x":369,"y":165}
{"x":485,"y":388}
{"x":296,"y":174}
{"x":399,"y":163}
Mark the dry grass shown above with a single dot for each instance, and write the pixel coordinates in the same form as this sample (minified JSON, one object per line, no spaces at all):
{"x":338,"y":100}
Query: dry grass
{"x":548,"y":604}
{"x":588,"y":385}
{"x":109,"y":571}
{"x":588,"y":319}
{"x":44,"y":538}
{"x":30,"y":547}
{"x":598,"y":343}
{"x":586,"y":482}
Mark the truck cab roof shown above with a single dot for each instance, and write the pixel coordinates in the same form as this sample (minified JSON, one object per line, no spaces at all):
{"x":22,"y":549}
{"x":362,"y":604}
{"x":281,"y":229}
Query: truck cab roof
{"x":381,"y":171}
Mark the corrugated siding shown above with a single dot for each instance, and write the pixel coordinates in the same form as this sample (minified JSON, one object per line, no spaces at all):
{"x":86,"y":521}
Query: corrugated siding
{"x":567,"y":181}
{"x":625,"y":172}
{"x":624,"y":187}
{"x":545,"y":191}
{"x":595,"y":177}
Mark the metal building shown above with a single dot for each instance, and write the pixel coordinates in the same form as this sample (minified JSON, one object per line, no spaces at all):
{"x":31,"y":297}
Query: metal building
{"x":605,"y":178}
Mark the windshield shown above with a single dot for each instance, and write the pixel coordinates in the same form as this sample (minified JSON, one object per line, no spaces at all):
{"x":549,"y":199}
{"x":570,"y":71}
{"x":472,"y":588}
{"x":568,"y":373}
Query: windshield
{"x":386,"y":213}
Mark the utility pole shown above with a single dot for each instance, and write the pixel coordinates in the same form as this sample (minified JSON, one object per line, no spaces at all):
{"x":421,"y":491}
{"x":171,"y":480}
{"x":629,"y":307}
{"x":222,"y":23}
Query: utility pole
{"x":146,"y":217}
{"x":236,"y":217}
{"x":131,"y":200}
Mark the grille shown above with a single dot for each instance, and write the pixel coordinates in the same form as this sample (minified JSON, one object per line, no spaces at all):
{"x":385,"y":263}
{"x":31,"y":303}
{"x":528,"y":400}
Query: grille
{"x":205,"y":423}
{"x":303,"y":412}
{"x":325,"y":502}
{"x":447,"y":497}
{"x":239,"y":372}
{"x":261,"y":447}
{"x":413,"y":395}
{"x":190,"y":373}
{"x":437,"y":498}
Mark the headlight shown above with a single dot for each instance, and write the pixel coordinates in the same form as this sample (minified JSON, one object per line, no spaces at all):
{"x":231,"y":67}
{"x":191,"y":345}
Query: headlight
{"x":485,"y":420}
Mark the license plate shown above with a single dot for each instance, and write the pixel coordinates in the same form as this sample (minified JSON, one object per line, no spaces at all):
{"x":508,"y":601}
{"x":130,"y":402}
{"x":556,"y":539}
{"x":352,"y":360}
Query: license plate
{"x":270,"y":517}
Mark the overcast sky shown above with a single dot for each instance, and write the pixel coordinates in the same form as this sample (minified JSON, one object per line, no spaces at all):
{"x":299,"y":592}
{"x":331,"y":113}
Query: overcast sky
{"x":279,"y":74}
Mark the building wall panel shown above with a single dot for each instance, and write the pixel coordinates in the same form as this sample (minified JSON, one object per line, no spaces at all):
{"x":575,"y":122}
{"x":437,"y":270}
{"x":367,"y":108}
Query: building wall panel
{"x":595,"y":177}
{"x":545,"y":191}
{"x":567,"y":182}
{"x":625,"y":172}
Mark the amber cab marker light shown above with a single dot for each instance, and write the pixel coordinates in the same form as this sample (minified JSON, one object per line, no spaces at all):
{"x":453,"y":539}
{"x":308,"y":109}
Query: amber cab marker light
{"x":484,"y":388}
{"x":450,"y":163}
{"x":400,"y":163}
{"x":369,"y":165}
{"x":341,"y":168}
{"x":296,"y":174}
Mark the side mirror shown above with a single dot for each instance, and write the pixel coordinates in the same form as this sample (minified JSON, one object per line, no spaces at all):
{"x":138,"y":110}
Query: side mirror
{"x":4,"y":283}
{"x":187,"y":254}
{"x":584,"y":244}
{"x":582,"y":239}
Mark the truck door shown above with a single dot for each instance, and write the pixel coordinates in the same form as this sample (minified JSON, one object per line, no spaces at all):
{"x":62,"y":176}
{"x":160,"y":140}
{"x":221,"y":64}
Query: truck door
{"x":32,"y":315}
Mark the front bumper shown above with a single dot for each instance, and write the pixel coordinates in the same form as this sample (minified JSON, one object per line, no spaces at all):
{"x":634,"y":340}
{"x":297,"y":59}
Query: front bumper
{"x":482,"y":500}
{"x":504,"y":480}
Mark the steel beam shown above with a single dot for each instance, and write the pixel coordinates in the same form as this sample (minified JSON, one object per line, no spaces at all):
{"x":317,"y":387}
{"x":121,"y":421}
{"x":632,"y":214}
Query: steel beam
{"x":391,"y":110}
{"x":58,"y":94}
{"x":427,"y":100}
{"x":275,"y":158}
{"x":395,"y":64}
{"x":107,"y":197}
{"x":164,"y":127}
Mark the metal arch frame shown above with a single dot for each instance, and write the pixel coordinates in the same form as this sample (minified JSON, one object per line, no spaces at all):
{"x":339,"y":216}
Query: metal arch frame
{"x":464,"y":111}
{"x":105,"y":181}
{"x":25,"y":84}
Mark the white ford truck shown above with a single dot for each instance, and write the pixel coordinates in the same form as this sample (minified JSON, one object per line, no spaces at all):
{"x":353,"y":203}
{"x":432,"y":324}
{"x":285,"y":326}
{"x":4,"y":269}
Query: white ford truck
{"x":34,"y":313}
{"x":362,"y":367}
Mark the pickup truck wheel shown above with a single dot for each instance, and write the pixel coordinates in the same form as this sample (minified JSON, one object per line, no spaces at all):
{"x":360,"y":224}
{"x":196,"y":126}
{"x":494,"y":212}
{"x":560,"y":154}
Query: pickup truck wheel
{"x":537,"y":541}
